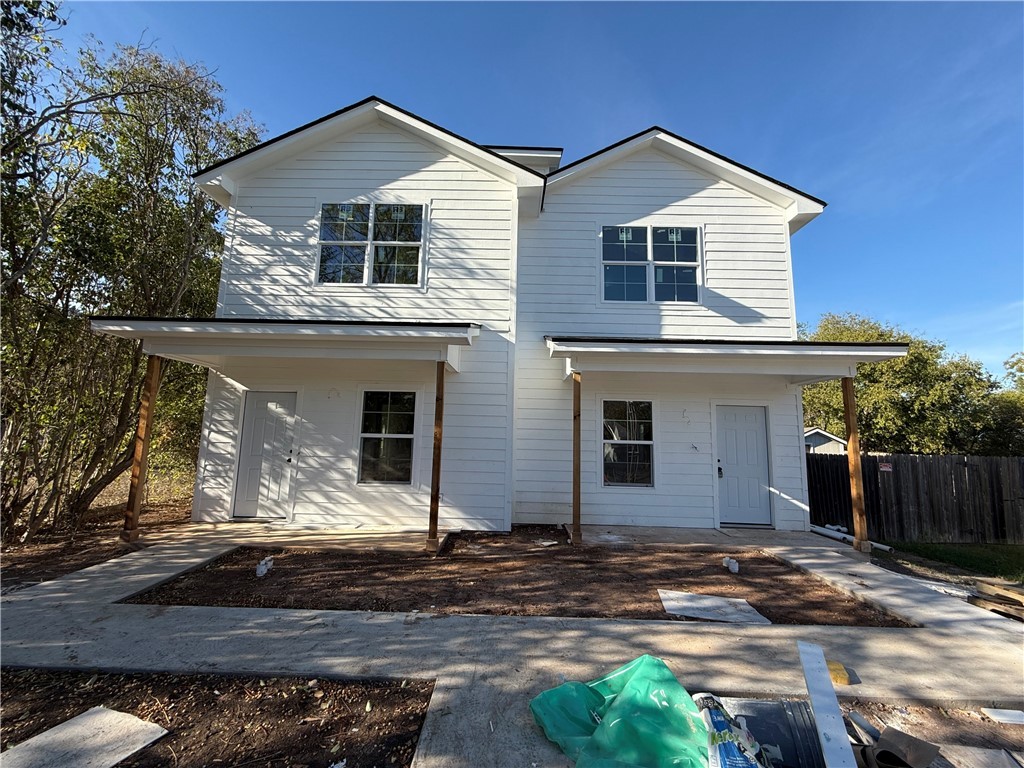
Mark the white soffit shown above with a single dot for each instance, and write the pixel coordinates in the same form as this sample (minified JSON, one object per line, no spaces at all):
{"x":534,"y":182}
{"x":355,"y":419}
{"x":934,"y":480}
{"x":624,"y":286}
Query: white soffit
{"x":220,"y":181}
{"x":798,"y":362}
{"x":213,"y":344}
{"x":797,"y":207}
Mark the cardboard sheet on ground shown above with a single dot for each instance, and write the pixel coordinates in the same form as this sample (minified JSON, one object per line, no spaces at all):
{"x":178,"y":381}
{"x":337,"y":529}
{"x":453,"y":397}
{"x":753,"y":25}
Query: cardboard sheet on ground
{"x":711,"y":607}
{"x":955,"y":756}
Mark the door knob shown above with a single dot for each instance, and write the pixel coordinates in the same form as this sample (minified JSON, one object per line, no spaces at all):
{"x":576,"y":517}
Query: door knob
{"x":720,"y":472}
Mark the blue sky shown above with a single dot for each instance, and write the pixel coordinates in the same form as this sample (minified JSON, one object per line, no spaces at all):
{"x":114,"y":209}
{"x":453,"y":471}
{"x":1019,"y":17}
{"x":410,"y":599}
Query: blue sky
{"x":908,"y":118}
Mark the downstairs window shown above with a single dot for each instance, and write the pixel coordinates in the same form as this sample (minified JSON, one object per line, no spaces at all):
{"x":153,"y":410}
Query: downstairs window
{"x":386,"y":437}
{"x":628,"y":443}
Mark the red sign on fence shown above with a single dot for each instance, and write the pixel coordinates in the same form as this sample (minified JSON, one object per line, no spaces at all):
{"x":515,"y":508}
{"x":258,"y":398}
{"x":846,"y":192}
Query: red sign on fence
{"x":885,"y":466}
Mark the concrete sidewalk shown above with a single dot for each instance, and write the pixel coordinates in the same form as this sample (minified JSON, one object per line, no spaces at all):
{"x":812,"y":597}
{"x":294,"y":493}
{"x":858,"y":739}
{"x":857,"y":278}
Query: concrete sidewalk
{"x":488,"y":667}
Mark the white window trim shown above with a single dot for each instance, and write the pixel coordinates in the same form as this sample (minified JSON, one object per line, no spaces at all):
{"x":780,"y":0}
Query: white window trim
{"x":626,"y":487}
{"x":421,"y":267}
{"x":650,"y":263}
{"x":360,"y":404}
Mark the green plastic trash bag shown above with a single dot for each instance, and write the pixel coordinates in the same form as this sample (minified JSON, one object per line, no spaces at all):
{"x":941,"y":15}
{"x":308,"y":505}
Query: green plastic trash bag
{"x":638,"y":716}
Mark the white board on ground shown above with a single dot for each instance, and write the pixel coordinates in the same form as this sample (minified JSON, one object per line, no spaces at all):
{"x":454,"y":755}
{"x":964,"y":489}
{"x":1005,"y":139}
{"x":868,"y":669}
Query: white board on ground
{"x":97,"y":738}
{"x":828,"y":718}
{"x":974,"y":757}
{"x":1004,"y":716}
{"x":710,"y":607}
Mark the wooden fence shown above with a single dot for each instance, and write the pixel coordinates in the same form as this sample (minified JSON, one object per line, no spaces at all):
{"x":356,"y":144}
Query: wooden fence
{"x":952,"y":499}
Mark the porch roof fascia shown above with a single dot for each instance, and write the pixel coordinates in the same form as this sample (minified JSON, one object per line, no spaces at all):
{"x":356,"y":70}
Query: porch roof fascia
{"x":212,"y":342}
{"x":800,"y":362}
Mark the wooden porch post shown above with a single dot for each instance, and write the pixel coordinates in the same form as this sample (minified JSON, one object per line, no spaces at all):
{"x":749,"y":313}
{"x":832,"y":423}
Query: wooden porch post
{"x":860,"y":520}
{"x":435,"y":471}
{"x":140,"y":463}
{"x":577,"y":534}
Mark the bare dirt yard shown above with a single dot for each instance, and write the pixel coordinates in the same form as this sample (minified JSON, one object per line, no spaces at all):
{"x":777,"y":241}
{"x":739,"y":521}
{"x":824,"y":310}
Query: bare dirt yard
{"x":515,"y":574}
{"x":52,"y":554}
{"x":236,"y":721}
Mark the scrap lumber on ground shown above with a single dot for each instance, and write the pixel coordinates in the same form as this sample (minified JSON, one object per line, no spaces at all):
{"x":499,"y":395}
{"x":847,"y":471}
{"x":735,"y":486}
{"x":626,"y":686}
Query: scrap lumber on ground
{"x":1007,"y":599}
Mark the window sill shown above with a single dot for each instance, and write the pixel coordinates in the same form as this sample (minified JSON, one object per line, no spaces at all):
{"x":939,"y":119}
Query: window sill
{"x":687,"y":305}
{"x":630,"y":489}
{"x":360,"y":288}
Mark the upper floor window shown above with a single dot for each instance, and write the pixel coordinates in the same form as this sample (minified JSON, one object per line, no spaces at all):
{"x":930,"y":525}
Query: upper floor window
{"x":650,"y":263}
{"x":370,"y":244}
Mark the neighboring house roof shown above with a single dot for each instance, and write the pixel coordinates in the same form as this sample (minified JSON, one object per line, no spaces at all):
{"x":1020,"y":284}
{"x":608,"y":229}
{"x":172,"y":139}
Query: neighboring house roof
{"x":516,"y":164}
{"x":799,"y":207}
{"x":816,"y":430}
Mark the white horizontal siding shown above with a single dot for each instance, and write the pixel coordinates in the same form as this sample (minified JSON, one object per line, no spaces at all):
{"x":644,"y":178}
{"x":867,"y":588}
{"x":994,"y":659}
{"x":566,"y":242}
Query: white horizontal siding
{"x":270,"y":270}
{"x":270,"y":263}
{"x":217,"y":450}
{"x":684,"y":492}
{"x":747,"y":284}
{"x":476,"y":453}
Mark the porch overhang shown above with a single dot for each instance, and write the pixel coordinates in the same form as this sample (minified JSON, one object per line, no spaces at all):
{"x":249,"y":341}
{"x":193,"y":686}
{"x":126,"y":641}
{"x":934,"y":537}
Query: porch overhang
{"x":798,"y":362}
{"x":214,"y":343}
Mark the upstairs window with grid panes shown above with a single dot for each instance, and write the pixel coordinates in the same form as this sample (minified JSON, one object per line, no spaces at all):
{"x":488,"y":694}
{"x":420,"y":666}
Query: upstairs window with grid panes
{"x":370,"y":244}
{"x":645,"y":264}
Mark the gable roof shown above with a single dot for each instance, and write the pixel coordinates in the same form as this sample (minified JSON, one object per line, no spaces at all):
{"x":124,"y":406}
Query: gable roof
{"x":819,"y":431}
{"x":799,"y":207}
{"x":220,"y":179}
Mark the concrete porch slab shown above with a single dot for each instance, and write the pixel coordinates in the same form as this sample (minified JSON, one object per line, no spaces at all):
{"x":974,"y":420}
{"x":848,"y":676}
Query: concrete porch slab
{"x":725,"y":538}
{"x":275,"y":534}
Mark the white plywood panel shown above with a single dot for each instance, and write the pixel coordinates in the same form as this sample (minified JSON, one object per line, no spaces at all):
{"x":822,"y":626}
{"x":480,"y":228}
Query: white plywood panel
{"x":97,"y":738}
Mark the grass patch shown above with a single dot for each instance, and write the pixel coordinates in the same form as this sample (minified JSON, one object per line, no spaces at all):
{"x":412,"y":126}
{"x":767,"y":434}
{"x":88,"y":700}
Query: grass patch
{"x":1004,"y":561}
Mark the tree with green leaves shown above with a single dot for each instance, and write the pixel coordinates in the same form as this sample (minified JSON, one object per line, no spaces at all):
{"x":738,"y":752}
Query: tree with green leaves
{"x":1005,"y":433}
{"x":926,"y":402}
{"x":99,"y":217}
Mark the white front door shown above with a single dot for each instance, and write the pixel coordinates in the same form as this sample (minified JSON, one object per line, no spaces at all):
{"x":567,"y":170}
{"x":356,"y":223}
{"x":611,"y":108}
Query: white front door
{"x":265,"y":466}
{"x":743,"y":466}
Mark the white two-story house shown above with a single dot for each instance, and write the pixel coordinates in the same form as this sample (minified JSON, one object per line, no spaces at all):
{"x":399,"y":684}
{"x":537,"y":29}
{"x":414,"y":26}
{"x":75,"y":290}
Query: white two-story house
{"x":415,"y":329}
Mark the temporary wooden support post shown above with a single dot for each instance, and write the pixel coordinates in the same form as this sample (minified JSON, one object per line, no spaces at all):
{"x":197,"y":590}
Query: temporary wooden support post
{"x":435,"y":470}
{"x":577,"y":534}
{"x":860,"y":520}
{"x":140,"y":463}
